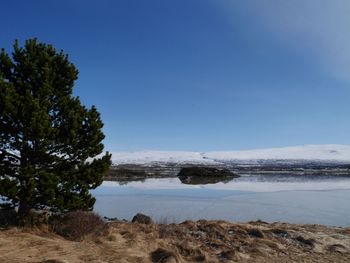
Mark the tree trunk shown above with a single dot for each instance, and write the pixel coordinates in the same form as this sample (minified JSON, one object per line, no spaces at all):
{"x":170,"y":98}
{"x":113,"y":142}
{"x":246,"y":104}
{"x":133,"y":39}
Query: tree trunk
{"x":24,"y":217}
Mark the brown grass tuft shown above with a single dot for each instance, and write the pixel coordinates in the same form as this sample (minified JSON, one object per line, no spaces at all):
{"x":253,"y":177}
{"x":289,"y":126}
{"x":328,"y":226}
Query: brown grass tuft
{"x":8,"y":217}
{"x":77,"y":225}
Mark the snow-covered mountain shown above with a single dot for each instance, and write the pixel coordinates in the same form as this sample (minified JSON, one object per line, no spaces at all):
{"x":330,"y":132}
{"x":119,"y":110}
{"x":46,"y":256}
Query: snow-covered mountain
{"x":143,"y":157}
{"x":319,"y":153}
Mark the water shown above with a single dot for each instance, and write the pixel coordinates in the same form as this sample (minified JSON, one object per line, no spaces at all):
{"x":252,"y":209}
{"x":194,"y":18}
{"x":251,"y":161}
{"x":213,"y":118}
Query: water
{"x":288,"y":198}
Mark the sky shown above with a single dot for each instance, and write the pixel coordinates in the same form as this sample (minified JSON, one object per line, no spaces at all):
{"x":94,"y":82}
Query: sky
{"x":201,"y":75}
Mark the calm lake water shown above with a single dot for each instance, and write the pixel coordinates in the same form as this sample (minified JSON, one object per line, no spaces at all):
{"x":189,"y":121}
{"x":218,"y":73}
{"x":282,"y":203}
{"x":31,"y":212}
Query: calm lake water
{"x":289,"y":198}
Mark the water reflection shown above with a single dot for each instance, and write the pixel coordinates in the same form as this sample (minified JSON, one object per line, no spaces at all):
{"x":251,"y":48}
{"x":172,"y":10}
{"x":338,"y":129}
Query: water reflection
{"x":296,"y":199}
{"x":202,"y":180}
{"x":246,"y":182}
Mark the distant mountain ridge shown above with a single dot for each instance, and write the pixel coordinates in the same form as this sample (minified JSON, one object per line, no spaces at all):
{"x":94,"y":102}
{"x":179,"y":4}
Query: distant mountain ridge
{"x":327,"y":153}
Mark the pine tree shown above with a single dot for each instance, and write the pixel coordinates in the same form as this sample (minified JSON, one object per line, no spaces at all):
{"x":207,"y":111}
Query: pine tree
{"x":48,"y":140}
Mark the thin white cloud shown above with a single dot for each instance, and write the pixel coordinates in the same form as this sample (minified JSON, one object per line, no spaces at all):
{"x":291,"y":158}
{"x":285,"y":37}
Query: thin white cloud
{"x":318,"y":27}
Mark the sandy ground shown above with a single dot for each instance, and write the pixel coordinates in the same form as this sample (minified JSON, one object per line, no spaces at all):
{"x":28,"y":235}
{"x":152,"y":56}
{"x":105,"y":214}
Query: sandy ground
{"x":201,"y":241}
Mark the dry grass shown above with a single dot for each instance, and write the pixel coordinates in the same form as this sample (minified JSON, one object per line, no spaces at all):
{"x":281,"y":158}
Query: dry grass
{"x":201,"y":241}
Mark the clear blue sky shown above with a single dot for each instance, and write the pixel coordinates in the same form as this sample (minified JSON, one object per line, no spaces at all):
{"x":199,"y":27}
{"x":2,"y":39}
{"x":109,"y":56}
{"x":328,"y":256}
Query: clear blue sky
{"x":201,"y":75}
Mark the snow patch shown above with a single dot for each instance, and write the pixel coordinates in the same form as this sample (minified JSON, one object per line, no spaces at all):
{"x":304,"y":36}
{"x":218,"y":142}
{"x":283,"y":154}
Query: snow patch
{"x":144,"y":157}
{"x":327,"y":152}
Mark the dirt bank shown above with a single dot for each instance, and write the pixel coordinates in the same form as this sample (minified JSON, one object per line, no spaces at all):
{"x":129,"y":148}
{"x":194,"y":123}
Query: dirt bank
{"x":202,"y":241}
